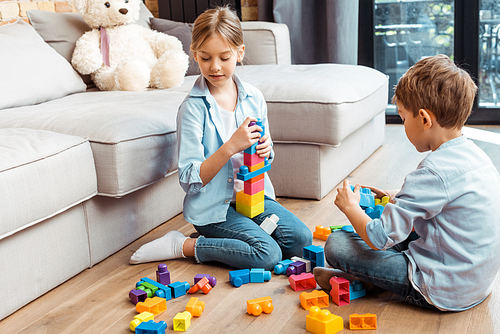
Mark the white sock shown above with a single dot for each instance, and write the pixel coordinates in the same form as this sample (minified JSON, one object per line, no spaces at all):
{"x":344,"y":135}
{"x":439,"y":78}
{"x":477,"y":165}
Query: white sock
{"x":167,"y":247}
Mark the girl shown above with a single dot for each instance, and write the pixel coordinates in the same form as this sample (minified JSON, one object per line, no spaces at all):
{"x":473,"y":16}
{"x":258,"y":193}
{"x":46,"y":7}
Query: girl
{"x":213,"y":130}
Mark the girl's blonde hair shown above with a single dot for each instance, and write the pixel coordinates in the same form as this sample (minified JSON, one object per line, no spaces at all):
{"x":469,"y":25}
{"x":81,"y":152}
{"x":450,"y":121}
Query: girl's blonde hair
{"x":220,"y":21}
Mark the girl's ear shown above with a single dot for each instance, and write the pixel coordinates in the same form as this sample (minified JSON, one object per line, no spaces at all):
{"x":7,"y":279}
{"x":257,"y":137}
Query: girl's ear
{"x":241,"y":53}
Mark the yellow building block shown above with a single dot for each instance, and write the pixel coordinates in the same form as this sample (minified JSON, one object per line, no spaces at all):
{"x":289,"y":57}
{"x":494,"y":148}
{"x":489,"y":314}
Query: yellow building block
{"x":322,"y":321}
{"x":249,"y":200}
{"x":250,"y":211}
{"x":144,"y":316}
{"x":182,"y":321}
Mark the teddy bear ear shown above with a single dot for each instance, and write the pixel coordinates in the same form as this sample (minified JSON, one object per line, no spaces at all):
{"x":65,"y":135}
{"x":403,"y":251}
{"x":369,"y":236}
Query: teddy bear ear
{"x":80,"y":5}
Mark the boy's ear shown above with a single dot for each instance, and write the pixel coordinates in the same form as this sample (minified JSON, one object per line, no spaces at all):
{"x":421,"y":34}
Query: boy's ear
{"x":426,"y":118}
{"x":241,"y":53}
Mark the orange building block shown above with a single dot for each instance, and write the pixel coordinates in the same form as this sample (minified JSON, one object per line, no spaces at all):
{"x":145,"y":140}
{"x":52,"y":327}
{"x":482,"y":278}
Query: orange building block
{"x":322,"y":232}
{"x":322,"y":321}
{"x":195,"y":307}
{"x":317,"y":298}
{"x":362,"y":321}
{"x":203,"y":285}
{"x":259,"y":305}
{"x":155,"y":305}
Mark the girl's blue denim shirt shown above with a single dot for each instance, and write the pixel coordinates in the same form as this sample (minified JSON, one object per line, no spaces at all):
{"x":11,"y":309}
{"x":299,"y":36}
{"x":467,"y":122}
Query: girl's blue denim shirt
{"x":200,"y":134}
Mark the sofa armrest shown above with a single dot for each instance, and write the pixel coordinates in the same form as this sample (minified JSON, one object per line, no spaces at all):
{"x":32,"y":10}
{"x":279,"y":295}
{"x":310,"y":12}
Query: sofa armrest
{"x":266,"y":43}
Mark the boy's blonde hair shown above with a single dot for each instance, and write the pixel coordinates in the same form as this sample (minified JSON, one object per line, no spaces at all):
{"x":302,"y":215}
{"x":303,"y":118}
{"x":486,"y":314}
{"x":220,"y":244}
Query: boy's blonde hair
{"x":436,"y":84}
{"x":220,"y":21}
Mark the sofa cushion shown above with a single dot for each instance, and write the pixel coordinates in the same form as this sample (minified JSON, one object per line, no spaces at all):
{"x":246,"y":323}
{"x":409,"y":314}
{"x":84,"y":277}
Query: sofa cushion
{"x":32,"y":72}
{"x":132,"y":134}
{"x":318,"y":104}
{"x":42,"y":173}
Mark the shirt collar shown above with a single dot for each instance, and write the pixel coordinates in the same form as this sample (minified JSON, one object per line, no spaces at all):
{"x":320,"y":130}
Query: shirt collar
{"x":453,"y":142}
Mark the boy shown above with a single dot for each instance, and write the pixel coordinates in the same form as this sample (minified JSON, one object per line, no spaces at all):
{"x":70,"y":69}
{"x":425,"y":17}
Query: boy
{"x":451,"y":201}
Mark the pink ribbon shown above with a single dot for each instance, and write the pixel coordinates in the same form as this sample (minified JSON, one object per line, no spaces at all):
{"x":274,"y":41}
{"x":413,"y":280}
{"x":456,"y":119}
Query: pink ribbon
{"x":104,"y":46}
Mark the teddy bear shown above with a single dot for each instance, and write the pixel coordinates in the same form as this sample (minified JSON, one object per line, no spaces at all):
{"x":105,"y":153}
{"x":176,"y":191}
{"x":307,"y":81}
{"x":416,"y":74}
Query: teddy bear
{"x":122,"y":55}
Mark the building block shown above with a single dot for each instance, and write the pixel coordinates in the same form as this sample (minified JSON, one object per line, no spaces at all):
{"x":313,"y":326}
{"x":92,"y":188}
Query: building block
{"x":382,"y":201}
{"x":256,"y":167}
{"x":255,"y":179}
{"x":281,"y":267}
{"x":366,"y":199}
{"x":252,"y":159}
{"x":307,"y":262}
{"x":304,"y":281}
{"x":162,"y":274}
{"x":251,"y":149}
{"x":321,"y":232}
{"x":296,"y":268}
{"x":270,"y":223}
{"x":239,"y":277}
{"x":259,"y":275}
{"x":340,"y":291}
{"x":182,"y":321}
{"x":356,"y":290}
{"x":151,"y":327}
{"x":320,"y":321}
{"x":244,"y":174}
{"x":154,"y":288}
{"x":317,"y":298}
{"x":155,"y":305}
{"x":212,"y":280}
{"x":348,"y":228}
{"x":362,"y":321}
{"x":259,"y":305}
{"x":179,"y":288}
{"x":137,"y":295}
{"x":315,"y":254}
{"x":336,"y":228}
{"x":141,"y":317}
{"x":249,"y":200}
{"x":202,"y":285}
{"x":195,"y":307}
{"x":375,"y":212}
{"x":253,"y":187}
{"x":250,"y":211}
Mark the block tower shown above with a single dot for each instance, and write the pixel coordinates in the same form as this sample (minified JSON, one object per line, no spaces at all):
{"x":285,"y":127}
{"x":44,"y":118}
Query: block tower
{"x":250,"y":201}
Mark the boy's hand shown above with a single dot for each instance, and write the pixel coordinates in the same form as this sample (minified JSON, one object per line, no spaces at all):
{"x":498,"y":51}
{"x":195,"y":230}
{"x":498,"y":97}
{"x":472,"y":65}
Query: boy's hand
{"x":245,"y":136}
{"x":346,"y":198}
{"x":264,"y":148}
{"x":379,"y":193}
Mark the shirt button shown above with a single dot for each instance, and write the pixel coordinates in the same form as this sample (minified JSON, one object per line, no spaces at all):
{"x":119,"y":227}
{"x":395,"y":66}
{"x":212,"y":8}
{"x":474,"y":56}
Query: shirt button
{"x":226,"y":201}
{"x":229,"y":180}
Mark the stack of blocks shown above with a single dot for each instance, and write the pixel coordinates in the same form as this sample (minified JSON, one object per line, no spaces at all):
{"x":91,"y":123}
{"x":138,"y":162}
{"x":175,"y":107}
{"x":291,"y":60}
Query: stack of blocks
{"x":373,"y":206}
{"x":250,"y":201}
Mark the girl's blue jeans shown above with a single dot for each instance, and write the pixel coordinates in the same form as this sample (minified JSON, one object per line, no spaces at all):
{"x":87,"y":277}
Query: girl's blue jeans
{"x":387,"y":269}
{"x":240,"y":241}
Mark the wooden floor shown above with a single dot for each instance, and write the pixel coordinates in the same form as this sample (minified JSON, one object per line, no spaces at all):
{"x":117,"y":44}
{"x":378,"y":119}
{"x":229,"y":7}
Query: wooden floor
{"x":96,"y":301}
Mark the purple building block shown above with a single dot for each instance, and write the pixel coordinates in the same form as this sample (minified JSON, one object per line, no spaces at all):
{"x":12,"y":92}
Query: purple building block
{"x":137,"y":296}
{"x":162,"y":274}
{"x":211,"y":280}
{"x":296,"y":268}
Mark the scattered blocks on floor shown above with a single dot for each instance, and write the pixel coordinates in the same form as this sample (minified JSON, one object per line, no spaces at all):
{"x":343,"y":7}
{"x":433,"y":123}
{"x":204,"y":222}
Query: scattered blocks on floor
{"x":362,"y":321}
{"x":356,"y":290}
{"x":239,"y":277}
{"x":259,"y":275}
{"x":151,"y":327}
{"x":202,"y":285}
{"x":259,"y":305}
{"x":317,"y":298}
{"x":162,"y":274}
{"x":281,"y":267}
{"x":321,"y":232}
{"x":315,"y":254}
{"x":299,"y":266}
{"x":137,"y":295}
{"x":141,"y":317}
{"x":212,"y":280}
{"x":340,"y":291}
{"x":179,"y":288}
{"x":154,"y":288}
{"x":304,"y":281}
{"x":155,"y":305}
{"x":320,"y":321}
{"x":195,"y":307}
{"x":182,"y":321}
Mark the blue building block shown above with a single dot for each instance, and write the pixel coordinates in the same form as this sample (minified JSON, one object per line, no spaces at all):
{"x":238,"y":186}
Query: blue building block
{"x":239,"y":277}
{"x":366,"y":199}
{"x":151,"y":327}
{"x":252,"y":149}
{"x":315,"y":254}
{"x":258,"y":275}
{"x":356,"y":290}
{"x":281,"y":267}
{"x":179,"y":288}
{"x":348,"y":228}
{"x":163,"y":290}
{"x":245,"y":175}
{"x":375,"y":212}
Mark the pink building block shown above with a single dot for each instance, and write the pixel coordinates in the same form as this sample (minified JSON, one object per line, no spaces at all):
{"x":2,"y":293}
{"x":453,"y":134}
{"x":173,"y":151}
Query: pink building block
{"x":340,"y":291}
{"x":303,"y":281}
{"x":253,"y":188}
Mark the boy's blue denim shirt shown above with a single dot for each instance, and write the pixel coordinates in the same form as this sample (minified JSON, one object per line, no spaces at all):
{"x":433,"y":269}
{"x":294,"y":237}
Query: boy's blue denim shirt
{"x":200,"y":134}
{"x":452,"y":200}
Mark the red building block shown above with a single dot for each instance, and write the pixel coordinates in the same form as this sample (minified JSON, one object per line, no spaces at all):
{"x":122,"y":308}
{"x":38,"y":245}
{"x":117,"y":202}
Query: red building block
{"x":255,"y":187}
{"x":340,"y":291}
{"x":252,"y":159}
{"x":303,"y":281}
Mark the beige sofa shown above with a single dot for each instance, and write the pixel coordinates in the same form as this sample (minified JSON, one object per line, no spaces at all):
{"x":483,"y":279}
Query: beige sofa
{"x":83,"y":173}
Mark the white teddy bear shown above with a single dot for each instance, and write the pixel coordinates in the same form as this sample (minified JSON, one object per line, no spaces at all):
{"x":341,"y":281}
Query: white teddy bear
{"x":122,"y":55}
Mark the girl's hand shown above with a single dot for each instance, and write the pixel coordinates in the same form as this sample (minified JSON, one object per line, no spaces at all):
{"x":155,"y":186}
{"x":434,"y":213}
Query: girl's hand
{"x":264,"y":148}
{"x":244,"y":137}
{"x":347,"y":199}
